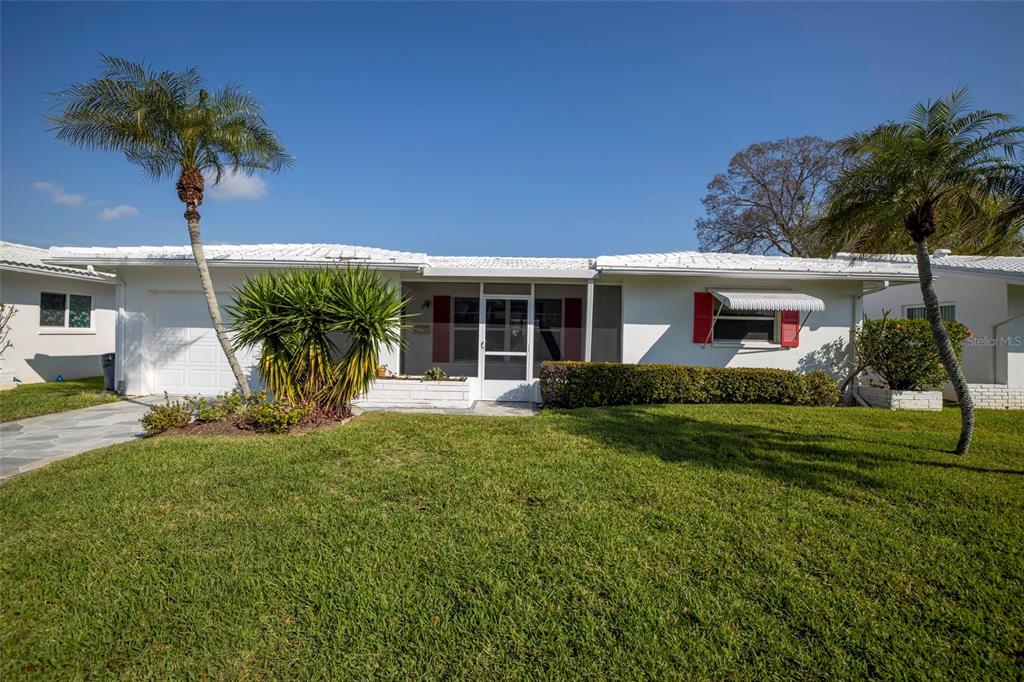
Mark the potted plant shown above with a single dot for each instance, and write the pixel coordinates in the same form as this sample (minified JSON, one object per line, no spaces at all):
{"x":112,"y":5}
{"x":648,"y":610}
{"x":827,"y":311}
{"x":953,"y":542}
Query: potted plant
{"x":382,"y":371}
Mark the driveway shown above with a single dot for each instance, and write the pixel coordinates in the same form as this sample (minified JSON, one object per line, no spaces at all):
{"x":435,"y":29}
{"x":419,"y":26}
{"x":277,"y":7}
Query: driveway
{"x":34,"y":442}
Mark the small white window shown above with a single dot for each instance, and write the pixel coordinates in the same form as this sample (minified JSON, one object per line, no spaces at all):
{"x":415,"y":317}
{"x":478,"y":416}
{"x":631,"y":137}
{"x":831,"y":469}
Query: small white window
{"x":744,"y":325}
{"x":947,"y":311}
{"x":65,"y":311}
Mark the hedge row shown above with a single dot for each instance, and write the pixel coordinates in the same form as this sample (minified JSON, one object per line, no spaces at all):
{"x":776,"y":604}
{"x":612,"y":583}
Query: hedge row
{"x":597,"y":384}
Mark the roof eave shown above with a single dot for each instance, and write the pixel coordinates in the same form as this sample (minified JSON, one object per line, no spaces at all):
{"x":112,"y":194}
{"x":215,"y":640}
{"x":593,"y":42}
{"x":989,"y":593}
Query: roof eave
{"x":510,"y":273}
{"x":756,"y":274}
{"x":233,"y":263}
{"x":99,"y":278}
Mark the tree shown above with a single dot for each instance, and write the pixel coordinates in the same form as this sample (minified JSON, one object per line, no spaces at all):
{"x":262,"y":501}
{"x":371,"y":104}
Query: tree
{"x":7,"y":311}
{"x":944,"y":171}
{"x":171,"y":126}
{"x":320,"y":332}
{"x":770,"y":198}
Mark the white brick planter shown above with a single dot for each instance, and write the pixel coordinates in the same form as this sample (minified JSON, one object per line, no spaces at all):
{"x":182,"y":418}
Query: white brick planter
{"x":997,"y":396}
{"x":413,"y":393}
{"x":901,"y":400}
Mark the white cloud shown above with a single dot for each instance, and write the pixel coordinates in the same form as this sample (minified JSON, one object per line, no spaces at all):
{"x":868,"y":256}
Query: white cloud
{"x":118,"y":212}
{"x":58,"y":195}
{"x":236,"y":186}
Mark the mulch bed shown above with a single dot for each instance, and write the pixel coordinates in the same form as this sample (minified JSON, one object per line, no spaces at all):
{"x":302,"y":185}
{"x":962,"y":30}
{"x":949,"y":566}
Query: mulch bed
{"x":227,"y":427}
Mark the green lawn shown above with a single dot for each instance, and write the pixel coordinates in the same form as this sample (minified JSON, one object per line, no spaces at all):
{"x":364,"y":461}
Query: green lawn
{"x":724,"y":542}
{"x":32,"y":400}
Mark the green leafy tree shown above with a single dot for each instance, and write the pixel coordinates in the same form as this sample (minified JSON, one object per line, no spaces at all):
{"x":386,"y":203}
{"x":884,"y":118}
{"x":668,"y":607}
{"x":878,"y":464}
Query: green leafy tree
{"x":171,"y":126}
{"x":946,"y":170}
{"x":320,"y":332}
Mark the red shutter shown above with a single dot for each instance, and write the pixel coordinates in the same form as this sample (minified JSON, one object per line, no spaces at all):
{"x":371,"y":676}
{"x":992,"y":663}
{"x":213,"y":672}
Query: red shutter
{"x":442,"y":332}
{"x":703,"y":316}
{"x":573,"y":329}
{"x":789,"y":332}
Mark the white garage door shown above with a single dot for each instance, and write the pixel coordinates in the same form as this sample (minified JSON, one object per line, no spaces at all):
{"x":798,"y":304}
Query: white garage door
{"x":187,"y":358}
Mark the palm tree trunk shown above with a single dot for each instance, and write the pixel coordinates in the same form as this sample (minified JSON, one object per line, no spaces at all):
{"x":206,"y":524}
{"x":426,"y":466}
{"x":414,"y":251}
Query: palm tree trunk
{"x":192,"y":215}
{"x":946,"y":352}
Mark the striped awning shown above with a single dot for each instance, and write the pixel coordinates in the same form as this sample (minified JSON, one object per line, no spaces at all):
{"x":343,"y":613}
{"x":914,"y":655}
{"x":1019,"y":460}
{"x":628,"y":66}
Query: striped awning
{"x":768,"y":300}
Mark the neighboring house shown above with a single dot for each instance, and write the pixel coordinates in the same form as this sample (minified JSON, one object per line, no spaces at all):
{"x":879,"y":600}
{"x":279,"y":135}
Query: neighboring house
{"x":65,"y":320}
{"x":986,"y":293}
{"x":495,"y":320}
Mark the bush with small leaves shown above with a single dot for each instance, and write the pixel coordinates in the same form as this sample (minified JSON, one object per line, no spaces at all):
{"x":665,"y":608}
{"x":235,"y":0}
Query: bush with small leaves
{"x":272,"y":416}
{"x":903,"y":352}
{"x":596,"y":384}
{"x":169,"y":415}
{"x":434,"y":374}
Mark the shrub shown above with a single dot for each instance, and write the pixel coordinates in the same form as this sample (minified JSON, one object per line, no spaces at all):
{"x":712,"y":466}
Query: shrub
{"x":295,"y":319}
{"x":597,"y":384}
{"x":224,"y":406}
{"x":434,"y":374}
{"x":170,"y":415}
{"x":273,"y":416}
{"x":903,"y":352}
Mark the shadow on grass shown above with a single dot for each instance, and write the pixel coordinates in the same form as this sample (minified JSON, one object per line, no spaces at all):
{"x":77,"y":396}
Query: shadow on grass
{"x":822,"y":461}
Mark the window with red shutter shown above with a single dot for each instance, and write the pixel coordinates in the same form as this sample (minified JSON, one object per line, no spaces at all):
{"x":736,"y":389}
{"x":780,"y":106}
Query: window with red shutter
{"x":789,"y":329}
{"x":703,"y":316}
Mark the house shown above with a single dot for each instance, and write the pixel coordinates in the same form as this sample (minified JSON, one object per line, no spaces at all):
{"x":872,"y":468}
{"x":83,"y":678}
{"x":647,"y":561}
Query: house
{"x":494,"y":319}
{"x":986,"y":293}
{"x":65,"y":317}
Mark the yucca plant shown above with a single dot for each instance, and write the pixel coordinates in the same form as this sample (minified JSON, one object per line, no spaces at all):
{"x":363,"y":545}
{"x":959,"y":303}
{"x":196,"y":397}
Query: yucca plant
{"x":319,"y":332}
{"x":947,"y":172}
{"x":170,"y":125}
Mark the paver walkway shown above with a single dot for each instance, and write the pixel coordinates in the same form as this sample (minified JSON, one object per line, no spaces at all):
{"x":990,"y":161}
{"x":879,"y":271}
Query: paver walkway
{"x":34,"y":442}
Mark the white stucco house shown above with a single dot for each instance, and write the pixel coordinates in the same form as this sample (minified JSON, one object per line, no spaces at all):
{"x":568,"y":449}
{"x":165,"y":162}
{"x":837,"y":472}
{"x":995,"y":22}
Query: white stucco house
{"x":65,"y":317}
{"x":986,"y":293}
{"x":495,"y":319}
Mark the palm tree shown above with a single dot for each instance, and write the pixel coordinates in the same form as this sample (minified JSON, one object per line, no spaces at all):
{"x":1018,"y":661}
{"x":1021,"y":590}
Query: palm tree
{"x":170,"y":125}
{"x":319,"y":332}
{"x":945,"y":170}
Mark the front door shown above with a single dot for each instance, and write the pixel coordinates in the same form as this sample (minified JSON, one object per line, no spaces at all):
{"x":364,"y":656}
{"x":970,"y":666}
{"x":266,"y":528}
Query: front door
{"x":506,"y":335}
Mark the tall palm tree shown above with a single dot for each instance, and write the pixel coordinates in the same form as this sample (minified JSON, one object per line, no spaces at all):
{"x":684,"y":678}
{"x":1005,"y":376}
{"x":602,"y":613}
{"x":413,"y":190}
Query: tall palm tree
{"x":945,"y":170}
{"x":170,"y":125}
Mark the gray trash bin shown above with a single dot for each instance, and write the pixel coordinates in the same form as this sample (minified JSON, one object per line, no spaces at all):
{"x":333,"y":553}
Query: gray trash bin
{"x":107,"y":360}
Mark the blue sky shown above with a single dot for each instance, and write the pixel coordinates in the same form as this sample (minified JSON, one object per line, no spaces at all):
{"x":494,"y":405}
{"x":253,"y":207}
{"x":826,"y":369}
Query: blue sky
{"x":501,"y":129}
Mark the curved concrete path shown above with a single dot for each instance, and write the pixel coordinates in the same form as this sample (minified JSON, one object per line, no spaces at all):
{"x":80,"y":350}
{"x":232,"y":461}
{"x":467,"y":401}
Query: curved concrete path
{"x":34,"y":442}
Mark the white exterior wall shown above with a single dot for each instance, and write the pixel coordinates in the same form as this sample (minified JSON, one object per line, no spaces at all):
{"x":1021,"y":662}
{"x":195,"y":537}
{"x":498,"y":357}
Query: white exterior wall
{"x":980,"y":304}
{"x":143,"y":284}
{"x":41,"y":353}
{"x":658,"y":325}
{"x":1013,"y":332}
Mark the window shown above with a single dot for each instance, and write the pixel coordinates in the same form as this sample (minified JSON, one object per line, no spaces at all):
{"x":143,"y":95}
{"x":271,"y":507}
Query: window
{"x":466,"y":332}
{"x":65,"y":311}
{"x":947,"y":311}
{"x":744,"y":325}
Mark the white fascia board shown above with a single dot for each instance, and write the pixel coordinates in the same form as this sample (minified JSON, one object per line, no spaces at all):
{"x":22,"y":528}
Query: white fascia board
{"x":98,"y":278}
{"x":507,"y":273}
{"x":188,"y":262}
{"x":760,"y":274}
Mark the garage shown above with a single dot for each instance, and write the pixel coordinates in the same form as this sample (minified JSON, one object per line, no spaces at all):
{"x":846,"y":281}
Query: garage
{"x":184,"y":353}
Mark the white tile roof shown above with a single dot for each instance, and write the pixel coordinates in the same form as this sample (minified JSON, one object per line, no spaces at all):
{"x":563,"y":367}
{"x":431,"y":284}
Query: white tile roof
{"x":699,"y":262}
{"x":682,"y":262}
{"x":1009,"y":267}
{"x":243,"y":253}
{"x":510,"y":263}
{"x":26,"y":257}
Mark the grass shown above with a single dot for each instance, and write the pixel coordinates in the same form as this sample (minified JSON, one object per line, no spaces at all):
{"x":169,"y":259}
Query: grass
{"x":725,"y":542}
{"x":32,"y":400}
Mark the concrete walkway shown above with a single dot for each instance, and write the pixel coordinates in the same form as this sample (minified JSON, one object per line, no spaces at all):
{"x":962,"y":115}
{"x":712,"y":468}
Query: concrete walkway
{"x":34,"y":442}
